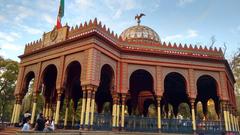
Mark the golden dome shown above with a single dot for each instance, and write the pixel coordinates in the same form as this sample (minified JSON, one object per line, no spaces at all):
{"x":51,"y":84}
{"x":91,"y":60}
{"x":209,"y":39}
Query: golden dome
{"x":140,"y":33}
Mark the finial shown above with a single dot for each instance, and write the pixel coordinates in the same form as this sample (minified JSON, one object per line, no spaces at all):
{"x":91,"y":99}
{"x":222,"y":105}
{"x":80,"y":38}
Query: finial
{"x":138,"y":18}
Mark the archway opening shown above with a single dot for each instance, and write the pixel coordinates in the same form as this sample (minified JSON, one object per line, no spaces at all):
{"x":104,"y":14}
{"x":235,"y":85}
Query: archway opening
{"x":175,"y":91}
{"x":206,"y":90}
{"x":104,"y":91}
{"x":49,"y":86}
{"x":28,"y":90}
{"x":141,"y":93}
{"x":72,"y":91}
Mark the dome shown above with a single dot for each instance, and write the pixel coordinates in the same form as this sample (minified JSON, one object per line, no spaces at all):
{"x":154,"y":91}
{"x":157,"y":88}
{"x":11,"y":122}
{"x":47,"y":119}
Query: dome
{"x":140,"y":33}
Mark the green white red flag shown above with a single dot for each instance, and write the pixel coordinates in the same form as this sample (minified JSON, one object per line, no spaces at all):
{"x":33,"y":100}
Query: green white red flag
{"x":60,"y":14}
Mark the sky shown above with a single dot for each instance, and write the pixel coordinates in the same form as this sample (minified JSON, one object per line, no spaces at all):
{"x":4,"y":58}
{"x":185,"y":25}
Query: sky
{"x":180,"y":21}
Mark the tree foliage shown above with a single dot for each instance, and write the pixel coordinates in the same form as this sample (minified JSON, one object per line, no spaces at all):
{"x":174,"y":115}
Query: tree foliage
{"x":8,"y":77}
{"x":235,"y":65}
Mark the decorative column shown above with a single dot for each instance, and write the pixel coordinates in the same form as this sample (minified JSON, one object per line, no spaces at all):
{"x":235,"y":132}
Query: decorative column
{"x":73,"y":117}
{"x":18,"y":109}
{"x":118,"y":110}
{"x":228,"y":118}
{"x":92,"y":107}
{"x":13,"y":113}
{"x":159,"y":124}
{"x":66,"y":113}
{"x":231,"y":118}
{"x":234,"y":120}
{"x":114,"y":111}
{"x":225,"y":115}
{"x":237,"y":117}
{"x":34,"y":107}
{"x":193,"y":115}
{"x":57,"y":108}
{"x":89,"y":95}
{"x":83,"y":109}
{"x":123,"y":110}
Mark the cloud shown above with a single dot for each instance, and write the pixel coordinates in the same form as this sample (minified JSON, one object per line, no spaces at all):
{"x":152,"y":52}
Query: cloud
{"x":182,"y":3}
{"x":11,"y":47}
{"x":119,"y":7}
{"x":2,"y":18}
{"x":48,"y":18}
{"x":172,"y":37}
{"x":238,"y":28}
{"x":9,"y":37}
{"x":84,"y":3}
{"x":192,"y":33}
{"x":22,"y":13}
{"x":31,"y":30}
{"x":189,"y":34}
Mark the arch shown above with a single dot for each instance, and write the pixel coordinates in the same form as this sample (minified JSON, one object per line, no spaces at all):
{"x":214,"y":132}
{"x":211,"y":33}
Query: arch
{"x":72,"y":83}
{"x":48,"y":79}
{"x":28,"y":77}
{"x":28,"y":85}
{"x":141,"y":90}
{"x":150,"y":69}
{"x":213,"y":75}
{"x":207,"y":89}
{"x":175,"y":90}
{"x":105,"y":88}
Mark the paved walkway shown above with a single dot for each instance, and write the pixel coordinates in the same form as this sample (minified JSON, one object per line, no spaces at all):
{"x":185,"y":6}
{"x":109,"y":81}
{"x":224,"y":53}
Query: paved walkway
{"x":9,"y":131}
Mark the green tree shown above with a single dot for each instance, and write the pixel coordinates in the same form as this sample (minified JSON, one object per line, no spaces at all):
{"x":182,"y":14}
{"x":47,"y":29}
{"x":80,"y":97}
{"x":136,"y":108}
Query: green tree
{"x":8,"y":77}
{"x":235,"y":65}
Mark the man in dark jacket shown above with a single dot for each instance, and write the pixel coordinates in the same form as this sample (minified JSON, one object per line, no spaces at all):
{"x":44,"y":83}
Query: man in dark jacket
{"x":40,"y":124}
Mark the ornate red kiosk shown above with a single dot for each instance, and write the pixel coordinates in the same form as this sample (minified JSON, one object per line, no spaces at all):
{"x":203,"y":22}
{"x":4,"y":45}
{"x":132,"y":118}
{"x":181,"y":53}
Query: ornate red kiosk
{"x":133,"y":82}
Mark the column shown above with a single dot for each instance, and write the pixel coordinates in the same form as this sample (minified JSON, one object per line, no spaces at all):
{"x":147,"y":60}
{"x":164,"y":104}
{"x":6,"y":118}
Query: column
{"x":34,"y":108}
{"x":73,"y":117}
{"x":114,"y":111}
{"x":228,"y":118}
{"x":238,"y":123}
{"x":83,"y":108}
{"x":193,"y":115}
{"x":89,"y":95}
{"x":92,"y":108}
{"x":225,"y":116}
{"x":118,"y":110}
{"x":123,"y":111}
{"x":13,"y":113}
{"x":66,"y":113}
{"x":159,"y":113}
{"x":18,"y":109}
{"x":234,"y":121}
{"x":57,"y":108}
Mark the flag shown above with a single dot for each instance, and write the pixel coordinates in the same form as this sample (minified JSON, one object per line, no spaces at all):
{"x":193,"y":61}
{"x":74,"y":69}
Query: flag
{"x":60,"y":14}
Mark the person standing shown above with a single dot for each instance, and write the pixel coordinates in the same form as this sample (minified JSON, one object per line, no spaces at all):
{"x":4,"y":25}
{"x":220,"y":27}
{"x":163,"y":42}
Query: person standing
{"x":40,"y":124}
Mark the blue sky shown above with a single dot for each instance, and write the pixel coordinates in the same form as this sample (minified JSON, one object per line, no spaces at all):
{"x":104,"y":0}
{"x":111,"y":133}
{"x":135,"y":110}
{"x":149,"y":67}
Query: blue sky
{"x":180,"y":21}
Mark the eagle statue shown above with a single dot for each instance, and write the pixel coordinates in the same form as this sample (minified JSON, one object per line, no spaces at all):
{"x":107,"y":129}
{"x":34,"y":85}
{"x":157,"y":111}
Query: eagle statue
{"x":138,"y":17}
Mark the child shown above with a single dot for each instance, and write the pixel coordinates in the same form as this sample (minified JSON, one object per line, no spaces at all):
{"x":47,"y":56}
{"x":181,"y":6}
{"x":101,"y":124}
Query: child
{"x":26,"y":126}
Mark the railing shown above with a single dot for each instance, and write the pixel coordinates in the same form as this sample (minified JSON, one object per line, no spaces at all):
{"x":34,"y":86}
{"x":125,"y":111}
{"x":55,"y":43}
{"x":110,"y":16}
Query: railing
{"x":140,"y":124}
{"x":102,"y":122}
{"x":177,"y":126}
{"x":210,"y":127}
{"x":76,"y":125}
